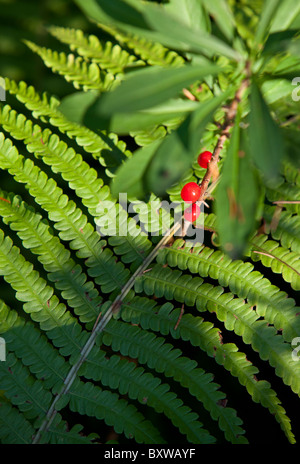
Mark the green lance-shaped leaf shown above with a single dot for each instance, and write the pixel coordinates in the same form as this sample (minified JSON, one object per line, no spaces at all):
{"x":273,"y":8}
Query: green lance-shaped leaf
{"x":157,"y":166}
{"x":124,"y":123}
{"x":130,"y":176}
{"x":185,"y":37}
{"x":177,"y":152}
{"x":266,"y":143}
{"x":281,"y":41}
{"x":150,"y":87}
{"x":285,"y":15}
{"x":237,"y":196}
{"x":268,"y":12}
{"x":153,"y":22}
{"x":191,"y":12}
{"x":74,"y":106}
{"x":223,"y":16}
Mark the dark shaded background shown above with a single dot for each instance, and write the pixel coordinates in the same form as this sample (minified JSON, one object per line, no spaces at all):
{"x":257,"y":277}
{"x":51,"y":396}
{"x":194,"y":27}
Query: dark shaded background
{"x":29,"y":19}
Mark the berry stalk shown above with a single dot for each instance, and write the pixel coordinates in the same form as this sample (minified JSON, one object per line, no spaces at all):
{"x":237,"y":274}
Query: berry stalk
{"x":212,"y":168}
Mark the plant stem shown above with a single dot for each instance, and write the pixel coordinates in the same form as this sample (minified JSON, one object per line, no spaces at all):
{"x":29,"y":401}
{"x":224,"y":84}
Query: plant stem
{"x":117,"y":303}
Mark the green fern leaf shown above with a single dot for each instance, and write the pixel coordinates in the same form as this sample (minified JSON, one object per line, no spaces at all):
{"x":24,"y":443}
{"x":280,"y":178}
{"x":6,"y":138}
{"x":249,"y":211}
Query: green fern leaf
{"x":68,"y":219}
{"x":30,"y":398}
{"x":203,"y":334}
{"x":89,"y":400}
{"x":28,"y":344}
{"x":106,"y":147}
{"x":66,"y":275}
{"x":279,"y":259}
{"x":287,"y":228}
{"x":147,"y":348}
{"x":75,"y":69}
{"x":236,"y":316}
{"x":147,"y":389}
{"x":242,"y":279}
{"x":132,"y":246}
{"x":152,"y":53}
{"x":14,"y":428}
{"x":110,"y":57}
{"x":59,"y":433}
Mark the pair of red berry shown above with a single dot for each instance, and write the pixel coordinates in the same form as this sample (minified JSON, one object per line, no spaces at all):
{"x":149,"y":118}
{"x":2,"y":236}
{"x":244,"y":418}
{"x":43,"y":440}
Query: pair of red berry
{"x":191,"y":192}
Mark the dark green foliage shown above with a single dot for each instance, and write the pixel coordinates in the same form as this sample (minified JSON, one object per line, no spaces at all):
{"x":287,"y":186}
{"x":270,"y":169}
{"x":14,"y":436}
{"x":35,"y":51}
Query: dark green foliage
{"x":134,"y":336}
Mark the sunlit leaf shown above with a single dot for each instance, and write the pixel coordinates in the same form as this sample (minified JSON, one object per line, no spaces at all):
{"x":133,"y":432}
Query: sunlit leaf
{"x":123,"y":123}
{"x":75,"y":105}
{"x":222,"y":15}
{"x":266,"y":142}
{"x":178,"y":151}
{"x":286,"y":13}
{"x":190,"y":12}
{"x":150,"y":87}
{"x":130,"y":176}
{"x":153,"y":22}
{"x":269,"y":10}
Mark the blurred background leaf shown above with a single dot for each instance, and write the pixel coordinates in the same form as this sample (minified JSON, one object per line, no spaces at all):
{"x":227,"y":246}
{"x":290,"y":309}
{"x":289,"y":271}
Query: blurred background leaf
{"x":238,"y":196}
{"x":151,"y":86}
{"x":28,"y":20}
{"x":266,"y":142}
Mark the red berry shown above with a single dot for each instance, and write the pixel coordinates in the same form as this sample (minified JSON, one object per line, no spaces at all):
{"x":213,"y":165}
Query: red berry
{"x":204,"y":158}
{"x":190,"y":192}
{"x":192,"y":213}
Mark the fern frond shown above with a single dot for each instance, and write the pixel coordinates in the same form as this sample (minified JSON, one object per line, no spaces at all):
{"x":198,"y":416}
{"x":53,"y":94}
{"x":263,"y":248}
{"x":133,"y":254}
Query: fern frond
{"x":153,"y":351}
{"x":112,"y":373}
{"x":152,"y":52}
{"x":29,"y":344}
{"x":68,"y":219}
{"x":106,"y":147}
{"x":287,"y":230}
{"x":87,"y":399}
{"x":67,"y":276}
{"x":14,"y":428}
{"x":147,"y":389}
{"x":201,"y":333}
{"x":279,"y":259}
{"x":39,"y":301}
{"x":29,"y":396}
{"x":59,"y":433}
{"x":235,"y":313}
{"x":271,"y":303}
{"x":45,"y":362}
{"x":81,"y":74}
{"x":148,"y":136}
{"x":110,"y":57}
{"x":132,"y":246}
